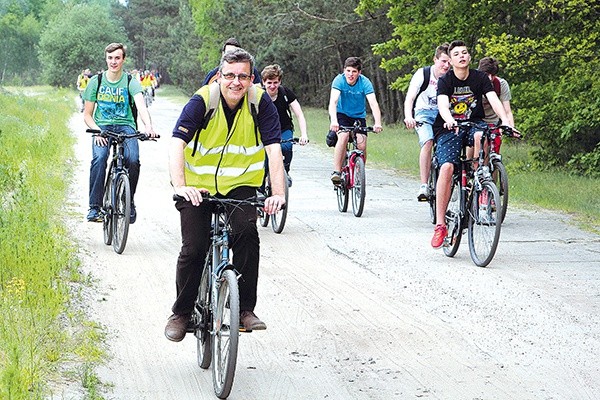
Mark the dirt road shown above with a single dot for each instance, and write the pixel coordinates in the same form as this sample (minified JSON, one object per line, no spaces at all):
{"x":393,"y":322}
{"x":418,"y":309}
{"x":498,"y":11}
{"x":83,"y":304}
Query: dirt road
{"x":356,"y":308}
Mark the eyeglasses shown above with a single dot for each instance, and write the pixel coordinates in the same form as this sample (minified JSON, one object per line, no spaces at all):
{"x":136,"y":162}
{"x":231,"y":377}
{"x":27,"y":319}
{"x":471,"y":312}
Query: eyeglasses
{"x":231,"y":76}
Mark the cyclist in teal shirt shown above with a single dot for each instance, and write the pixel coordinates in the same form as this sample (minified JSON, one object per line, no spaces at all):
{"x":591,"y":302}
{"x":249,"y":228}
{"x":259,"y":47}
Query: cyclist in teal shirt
{"x":347,"y":105}
{"x":107,"y":106}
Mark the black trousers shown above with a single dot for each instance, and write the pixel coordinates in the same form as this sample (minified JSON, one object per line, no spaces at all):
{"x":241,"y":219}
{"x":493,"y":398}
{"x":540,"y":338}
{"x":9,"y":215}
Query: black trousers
{"x":195,"y":236}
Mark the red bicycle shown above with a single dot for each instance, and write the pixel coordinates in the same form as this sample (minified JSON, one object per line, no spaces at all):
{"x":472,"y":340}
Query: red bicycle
{"x":353,"y":172}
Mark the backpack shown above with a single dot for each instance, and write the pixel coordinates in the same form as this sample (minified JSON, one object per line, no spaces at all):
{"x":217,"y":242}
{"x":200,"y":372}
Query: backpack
{"x":134,"y":110}
{"x":426,"y":76}
{"x":496,"y":85}
{"x":214,"y":97}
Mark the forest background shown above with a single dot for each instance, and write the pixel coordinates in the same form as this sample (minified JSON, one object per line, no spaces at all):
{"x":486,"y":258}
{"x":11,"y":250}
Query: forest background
{"x":547,"y":51}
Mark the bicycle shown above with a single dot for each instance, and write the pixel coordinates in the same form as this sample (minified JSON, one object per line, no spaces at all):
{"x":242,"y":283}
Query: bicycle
{"x":215,"y":321}
{"x":278,"y":219}
{"x":431,"y":180}
{"x":116,"y":200}
{"x":473,"y":205}
{"x":497,"y":168}
{"x":353,"y":172}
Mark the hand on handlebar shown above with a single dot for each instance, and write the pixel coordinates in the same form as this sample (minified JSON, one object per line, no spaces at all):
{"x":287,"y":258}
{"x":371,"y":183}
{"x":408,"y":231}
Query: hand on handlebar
{"x":274,"y":203}
{"x":191,"y":194}
{"x":377,"y":128}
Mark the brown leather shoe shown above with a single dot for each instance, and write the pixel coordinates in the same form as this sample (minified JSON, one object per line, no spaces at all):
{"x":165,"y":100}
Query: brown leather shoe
{"x":249,"y":322}
{"x":177,"y":327}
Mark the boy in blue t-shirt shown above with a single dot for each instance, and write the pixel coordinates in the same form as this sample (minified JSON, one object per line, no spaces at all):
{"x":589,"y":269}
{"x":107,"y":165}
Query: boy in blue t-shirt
{"x":347,"y":105}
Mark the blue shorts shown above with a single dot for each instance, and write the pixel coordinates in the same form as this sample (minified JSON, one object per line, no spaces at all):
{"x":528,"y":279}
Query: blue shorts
{"x":425,"y":130}
{"x":449,"y":144}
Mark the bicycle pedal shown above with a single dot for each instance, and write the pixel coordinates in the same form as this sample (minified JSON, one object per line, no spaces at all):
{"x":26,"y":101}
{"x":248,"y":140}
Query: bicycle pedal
{"x":244,"y":330}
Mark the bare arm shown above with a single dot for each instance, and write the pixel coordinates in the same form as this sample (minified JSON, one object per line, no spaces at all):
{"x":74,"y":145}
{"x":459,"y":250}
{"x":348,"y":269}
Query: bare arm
{"x":376,"y":112}
{"x":333,"y":100}
{"x":277,"y":200}
{"x":409,"y":118}
{"x":444,"y":109}
{"x":144,"y":114}
{"x":509,"y":115}
{"x":295,"y":106}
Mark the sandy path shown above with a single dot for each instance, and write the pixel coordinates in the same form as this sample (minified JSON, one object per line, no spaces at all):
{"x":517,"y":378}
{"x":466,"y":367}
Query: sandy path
{"x":356,"y":308}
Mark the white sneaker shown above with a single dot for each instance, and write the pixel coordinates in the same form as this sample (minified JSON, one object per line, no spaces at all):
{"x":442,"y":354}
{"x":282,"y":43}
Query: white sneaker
{"x":423,"y":193}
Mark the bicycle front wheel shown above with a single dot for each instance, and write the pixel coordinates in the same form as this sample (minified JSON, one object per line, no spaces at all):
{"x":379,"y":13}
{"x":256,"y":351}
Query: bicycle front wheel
{"x":359,"y":187}
{"x":501,"y":181}
{"x":107,"y":211}
{"x":122,"y":210}
{"x":454,"y":219}
{"x":278,"y":219}
{"x":342,"y":194}
{"x":226,"y":324}
{"x":484,"y":224}
{"x":431,"y":184}
{"x":202,"y":319}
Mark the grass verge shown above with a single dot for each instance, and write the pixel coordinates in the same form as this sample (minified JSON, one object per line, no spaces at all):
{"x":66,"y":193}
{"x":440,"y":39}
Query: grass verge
{"x":42,"y":339}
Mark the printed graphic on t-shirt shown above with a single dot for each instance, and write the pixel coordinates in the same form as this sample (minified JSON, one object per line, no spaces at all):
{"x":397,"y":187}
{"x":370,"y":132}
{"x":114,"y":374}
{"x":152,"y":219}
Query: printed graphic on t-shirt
{"x":462,"y":103}
{"x":114,"y":102}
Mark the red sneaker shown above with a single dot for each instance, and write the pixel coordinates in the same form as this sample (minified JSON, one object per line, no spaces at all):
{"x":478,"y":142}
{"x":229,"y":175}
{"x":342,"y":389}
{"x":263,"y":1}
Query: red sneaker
{"x":439,"y":234}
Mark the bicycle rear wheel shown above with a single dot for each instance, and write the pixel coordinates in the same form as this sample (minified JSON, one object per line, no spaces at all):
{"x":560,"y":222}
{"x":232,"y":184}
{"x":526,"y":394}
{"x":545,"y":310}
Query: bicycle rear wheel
{"x":278,"y":219}
{"x":342,"y":193}
{"x":202,"y":318}
{"x":501,"y":181}
{"x":454,"y":219}
{"x":122,"y":210}
{"x":107,"y":222}
{"x":484,"y":224}
{"x":226,"y":334}
{"x":431,"y":184}
{"x":359,"y":188}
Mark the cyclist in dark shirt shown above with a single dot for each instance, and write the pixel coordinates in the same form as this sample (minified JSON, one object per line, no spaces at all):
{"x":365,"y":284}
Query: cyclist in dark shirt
{"x":460,"y":97}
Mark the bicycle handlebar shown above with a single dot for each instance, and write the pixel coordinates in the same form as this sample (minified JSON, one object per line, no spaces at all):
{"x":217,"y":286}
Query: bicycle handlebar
{"x":356,"y":129}
{"x":256,"y":201}
{"x":504,"y":129}
{"x":121,"y":136}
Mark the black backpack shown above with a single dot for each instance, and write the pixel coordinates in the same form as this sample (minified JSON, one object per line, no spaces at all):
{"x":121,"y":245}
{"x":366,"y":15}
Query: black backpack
{"x":426,"y":76}
{"x":134,"y":110}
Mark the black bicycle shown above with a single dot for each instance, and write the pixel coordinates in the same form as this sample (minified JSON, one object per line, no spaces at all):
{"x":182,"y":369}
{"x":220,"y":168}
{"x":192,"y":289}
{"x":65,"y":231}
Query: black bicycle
{"x":474,"y":205}
{"x":278,"y":219}
{"x":116,"y":200}
{"x":216,"y":317}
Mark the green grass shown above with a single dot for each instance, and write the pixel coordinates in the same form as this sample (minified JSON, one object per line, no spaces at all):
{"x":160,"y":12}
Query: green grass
{"x":38,"y":263}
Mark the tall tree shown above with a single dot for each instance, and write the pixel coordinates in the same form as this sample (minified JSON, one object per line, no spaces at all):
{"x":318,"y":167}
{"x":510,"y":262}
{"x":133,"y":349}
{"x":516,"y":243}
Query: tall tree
{"x":71,"y":43}
{"x":546,"y":50}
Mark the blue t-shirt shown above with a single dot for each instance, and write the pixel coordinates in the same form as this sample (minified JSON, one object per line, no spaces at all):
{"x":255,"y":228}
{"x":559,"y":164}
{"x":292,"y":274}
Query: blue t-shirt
{"x":352,"y":98}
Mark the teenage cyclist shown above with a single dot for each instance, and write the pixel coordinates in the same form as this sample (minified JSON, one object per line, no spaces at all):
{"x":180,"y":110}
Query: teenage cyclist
{"x":107,"y":106}
{"x":423,"y":97}
{"x":347,"y":105}
{"x":460,"y":97}
{"x":285,"y":100}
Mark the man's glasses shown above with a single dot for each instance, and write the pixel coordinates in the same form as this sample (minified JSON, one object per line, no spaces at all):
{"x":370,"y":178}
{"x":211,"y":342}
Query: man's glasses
{"x":231,"y":76}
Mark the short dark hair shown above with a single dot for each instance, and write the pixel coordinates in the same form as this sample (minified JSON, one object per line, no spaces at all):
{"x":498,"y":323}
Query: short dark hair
{"x":353,"y":62}
{"x":441,"y":49}
{"x":237,"y":56}
{"x":456,"y":43}
{"x":488,"y":65}
{"x":231,"y":42}
{"x":114,"y":47}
